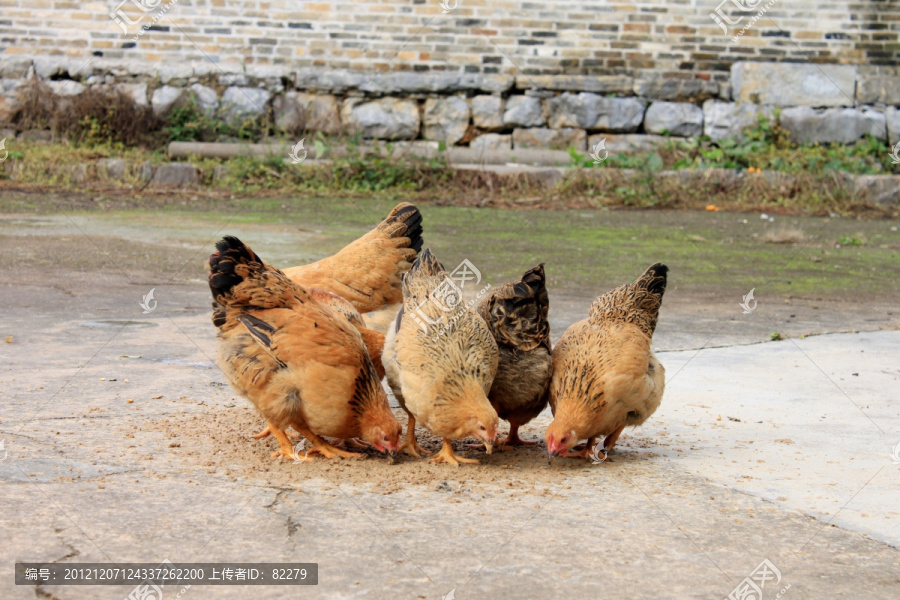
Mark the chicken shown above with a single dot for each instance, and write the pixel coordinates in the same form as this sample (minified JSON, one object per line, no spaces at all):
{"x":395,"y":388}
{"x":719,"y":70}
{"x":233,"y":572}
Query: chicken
{"x":368,"y":272}
{"x":516,"y":314}
{"x":299,"y":363}
{"x":441,"y":359}
{"x":373,"y":340}
{"x":605,"y":375}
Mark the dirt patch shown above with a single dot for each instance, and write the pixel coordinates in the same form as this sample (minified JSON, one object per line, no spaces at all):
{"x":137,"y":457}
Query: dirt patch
{"x":221,"y":442}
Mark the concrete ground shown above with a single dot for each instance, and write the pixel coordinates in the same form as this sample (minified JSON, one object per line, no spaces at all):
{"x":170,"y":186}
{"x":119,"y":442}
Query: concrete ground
{"x":123,"y":443}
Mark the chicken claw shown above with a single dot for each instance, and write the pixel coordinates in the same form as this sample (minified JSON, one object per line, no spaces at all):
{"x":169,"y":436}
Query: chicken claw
{"x":513,"y":439}
{"x":268,"y":430}
{"x":410,"y":444}
{"x":448,"y":456}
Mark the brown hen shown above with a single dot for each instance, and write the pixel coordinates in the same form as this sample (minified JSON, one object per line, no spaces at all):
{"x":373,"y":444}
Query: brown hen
{"x":299,"y":363}
{"x":605,"y":375}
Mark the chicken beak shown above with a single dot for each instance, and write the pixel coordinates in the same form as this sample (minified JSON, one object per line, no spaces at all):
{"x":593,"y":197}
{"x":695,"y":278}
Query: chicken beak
{"x":392,"y":457}
{"x":552,"y":456}
{"x":489,"y":447}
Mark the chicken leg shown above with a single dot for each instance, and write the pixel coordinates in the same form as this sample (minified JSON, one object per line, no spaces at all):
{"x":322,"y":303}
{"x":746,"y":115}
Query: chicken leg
{"x":451,"y":458}
{"x":612,"y":438}
{"x":286,"y":450}
{"x":322,"y":447}
{"x":268,"y":430}
{"x":583,"y":453}
{"x":410,"y":444}
{"x":513,"y":438}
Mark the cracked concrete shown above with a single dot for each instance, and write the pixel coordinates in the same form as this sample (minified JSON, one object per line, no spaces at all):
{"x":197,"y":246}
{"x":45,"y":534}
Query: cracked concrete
{"x":777,"y":451}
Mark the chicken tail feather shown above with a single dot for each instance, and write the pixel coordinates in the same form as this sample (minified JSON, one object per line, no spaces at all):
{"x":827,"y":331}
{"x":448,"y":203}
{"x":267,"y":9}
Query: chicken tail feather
{"x":426,"y":264}
{"x":637,"y":302}
{"x":404,"y":221}
{"x":230,"y":252}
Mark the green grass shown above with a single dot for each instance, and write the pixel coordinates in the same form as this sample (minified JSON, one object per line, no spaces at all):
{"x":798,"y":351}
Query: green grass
{"x":587,"y":251}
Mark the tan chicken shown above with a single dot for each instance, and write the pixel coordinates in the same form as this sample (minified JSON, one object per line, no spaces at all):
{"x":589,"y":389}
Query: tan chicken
{"x":440,"y":360}
{"x":294,"y":358}
{"x":605,"y":375}
{"x":516,"y":314}
{"x":368,"y":272}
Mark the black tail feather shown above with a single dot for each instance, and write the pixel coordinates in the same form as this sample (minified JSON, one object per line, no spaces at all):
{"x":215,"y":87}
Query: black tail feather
{"x":230,"y":252}
{"x":410,"y":216}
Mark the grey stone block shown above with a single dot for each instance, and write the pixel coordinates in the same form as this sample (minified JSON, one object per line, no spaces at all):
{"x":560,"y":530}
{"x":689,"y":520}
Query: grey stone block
{"x":794,"y":84}
{"x":492,"y":141}
{"x":487,"y":112}
{"x":681,"y":119}
{"x":387,"y":118}
{"x":832,"y":125}
{"x":446,"y":119}
{"x":66,"y":88}
{"x":206,"y":98}
{"x":590,"y":111}
{"x":554,"y":139}
{"x":523,"y":111}
{"x":621,"y":84}
{"x":314,"y":112}
{"x":176,"y":174}
{"x":164,"y":98}
{"x":727,"y":120}
{"x":113,"y":168}
{"x":629,"y":143}
{"x":241,"y":103}
{"x":878,"y":89}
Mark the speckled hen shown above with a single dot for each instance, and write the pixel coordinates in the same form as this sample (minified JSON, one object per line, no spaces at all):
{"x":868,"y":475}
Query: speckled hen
{"x":441,"y":359}
{"x":516,"y":314}
{"x":605,"y":376}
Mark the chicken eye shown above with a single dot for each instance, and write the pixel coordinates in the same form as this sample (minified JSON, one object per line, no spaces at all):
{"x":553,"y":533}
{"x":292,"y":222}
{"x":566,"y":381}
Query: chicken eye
{"x":386,"y":438}
{"x":483,"y":428}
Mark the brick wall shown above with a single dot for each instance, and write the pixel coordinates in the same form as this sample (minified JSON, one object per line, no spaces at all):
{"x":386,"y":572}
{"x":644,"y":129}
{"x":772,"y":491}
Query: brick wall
{"x":634,"y":37}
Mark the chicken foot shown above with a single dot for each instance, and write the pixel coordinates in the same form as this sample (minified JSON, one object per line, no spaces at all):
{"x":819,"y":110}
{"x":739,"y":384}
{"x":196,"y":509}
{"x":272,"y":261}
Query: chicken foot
{"x":268,"y":430}
{"x":513,"y":438}
{"x":583,"y":453}
{"x":451,"y":458}
{"x":410,"y":444}
{"x":322,"y":447}
{"x":286,"y":450}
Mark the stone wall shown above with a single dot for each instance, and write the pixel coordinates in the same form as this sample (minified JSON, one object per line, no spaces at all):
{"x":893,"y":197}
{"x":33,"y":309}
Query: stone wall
{"x":832,"y":103}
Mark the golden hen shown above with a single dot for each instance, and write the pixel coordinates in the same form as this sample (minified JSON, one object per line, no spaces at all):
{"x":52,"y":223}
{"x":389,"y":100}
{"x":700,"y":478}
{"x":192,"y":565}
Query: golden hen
{"x":299,"y":363}
{"x":440,"y":360}
{"x":368,"y":272}
{"x":516,"y":314}
{"x":605,"y":375}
